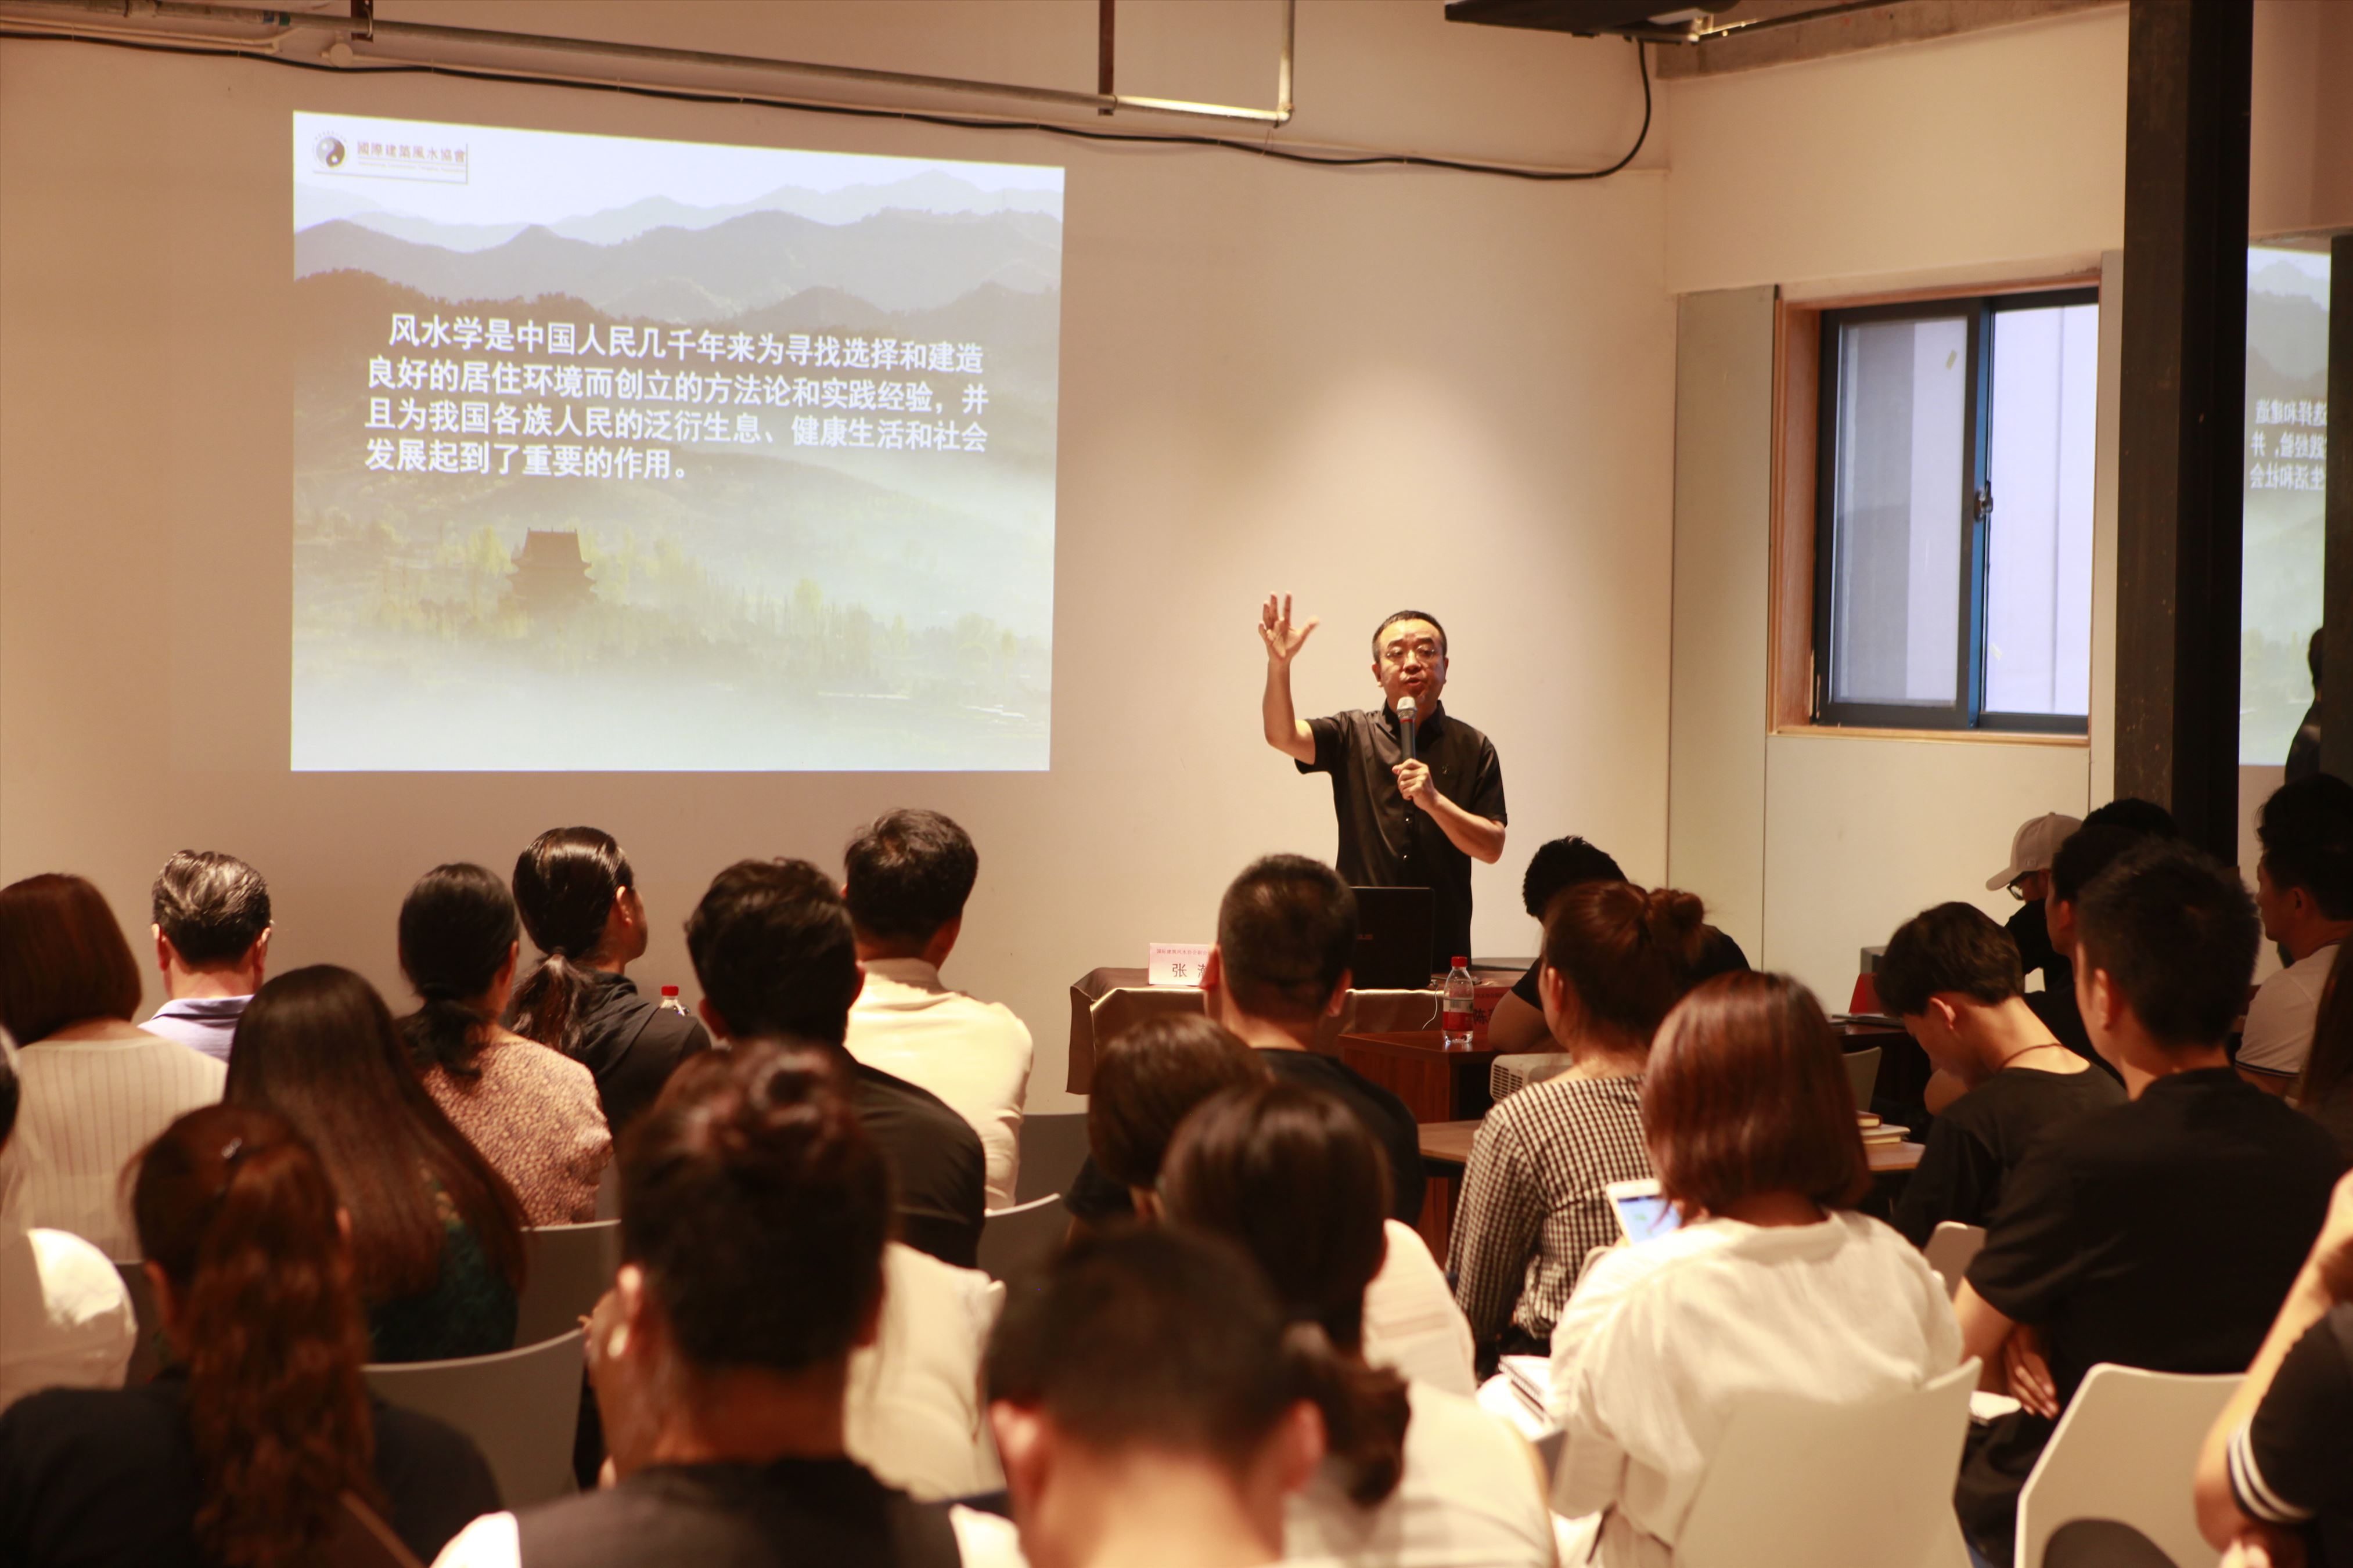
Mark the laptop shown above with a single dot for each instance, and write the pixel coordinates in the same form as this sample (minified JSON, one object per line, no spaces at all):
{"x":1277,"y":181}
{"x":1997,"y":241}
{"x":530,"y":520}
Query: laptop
{"x":1393,"y":938}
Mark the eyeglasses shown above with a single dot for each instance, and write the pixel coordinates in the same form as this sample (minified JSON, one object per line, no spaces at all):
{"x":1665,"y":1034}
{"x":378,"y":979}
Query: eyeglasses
{"x":1395,"y":653}
{"x":2017,"y":888}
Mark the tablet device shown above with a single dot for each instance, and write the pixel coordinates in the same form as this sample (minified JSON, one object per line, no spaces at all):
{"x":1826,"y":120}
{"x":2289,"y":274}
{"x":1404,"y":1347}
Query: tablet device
{"x":1642,"y":1210}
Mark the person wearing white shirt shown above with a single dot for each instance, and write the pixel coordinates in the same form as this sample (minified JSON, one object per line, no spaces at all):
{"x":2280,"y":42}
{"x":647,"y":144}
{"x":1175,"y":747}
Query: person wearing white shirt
{"x":212,"y":943}
{"x":913,"y":1414}
{"x":1772,"y":1284}
{"x":95,"y":1088}
{"x":2304,"y":889}
{"x":909,"y":874}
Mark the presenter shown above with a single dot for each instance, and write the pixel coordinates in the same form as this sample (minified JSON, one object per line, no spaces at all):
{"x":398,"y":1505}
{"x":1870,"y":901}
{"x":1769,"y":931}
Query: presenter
{"x":1408,"y":819}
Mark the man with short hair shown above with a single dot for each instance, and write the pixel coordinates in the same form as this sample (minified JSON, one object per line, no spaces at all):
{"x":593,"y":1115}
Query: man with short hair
{"x":1953,"y":976}
{"x":1405,"y":822}
{"x":2303,"y":887}
{"x":2161,"y":1233}
{"x":777,"y":961}
{"x":212,"y":943}
{"x":908,"y":876}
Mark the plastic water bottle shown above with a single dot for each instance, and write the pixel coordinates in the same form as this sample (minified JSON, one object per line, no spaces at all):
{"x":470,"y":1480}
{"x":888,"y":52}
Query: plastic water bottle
{"x":1460,"y":990}
{"x":669,"y":1002}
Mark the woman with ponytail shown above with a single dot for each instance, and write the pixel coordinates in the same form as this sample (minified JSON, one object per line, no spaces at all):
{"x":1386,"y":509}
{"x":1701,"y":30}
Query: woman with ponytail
{"x":1533,"y":1201}
{"x":1414,"y":1474}
{"x":531,"y":1112}
{"x":253,"y":1450}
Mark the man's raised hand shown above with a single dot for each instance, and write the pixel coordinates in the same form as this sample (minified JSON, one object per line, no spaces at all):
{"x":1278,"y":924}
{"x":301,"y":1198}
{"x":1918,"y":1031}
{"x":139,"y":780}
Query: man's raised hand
{"x":1274,"y":629}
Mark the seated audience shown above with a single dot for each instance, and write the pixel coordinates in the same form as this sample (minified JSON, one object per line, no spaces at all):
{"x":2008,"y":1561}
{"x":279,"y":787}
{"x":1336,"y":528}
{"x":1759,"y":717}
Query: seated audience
{"x":913,"y":1414}
{"x":1151,"y":1408}
{"x":261,"y":1446}
{"x":93,"y":1089}
{"x":2325,"y":1090}
{"x":212,"y":943}
{"x":1952,"y":975}
{"x":1533,"y":1202}
{"x":1286,"y":935}
{"x":754,"y":1212}
{"x":531,"y":1110}
{"x":1773,"y":1283}
{"x":578,"y":899}
{"x":2304,"y":889}
{"x":2088,"y":851}
{"x":2027,"y":878}
{"x":773,"y":950}
{"x":2162,"y":1233}
{"x":2273,"y":1476}
{"x":1417,"y":1475}
{"x":67,"y":1317}
{"x":436,"y":1232}
{"x":909,"y":874}
{"x":2134,"y":814}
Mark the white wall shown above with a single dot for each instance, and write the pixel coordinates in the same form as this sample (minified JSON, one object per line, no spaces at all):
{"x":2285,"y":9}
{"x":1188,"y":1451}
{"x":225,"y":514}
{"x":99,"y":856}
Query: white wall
{"x":1372,"y":387}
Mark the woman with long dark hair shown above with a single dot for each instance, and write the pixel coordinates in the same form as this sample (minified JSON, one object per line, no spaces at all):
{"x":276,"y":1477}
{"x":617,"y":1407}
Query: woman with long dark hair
{"x":437,"y":1232}
{"x":579,"y":901}
{"x":252,"y":1451}
{"x":531,"y":1112}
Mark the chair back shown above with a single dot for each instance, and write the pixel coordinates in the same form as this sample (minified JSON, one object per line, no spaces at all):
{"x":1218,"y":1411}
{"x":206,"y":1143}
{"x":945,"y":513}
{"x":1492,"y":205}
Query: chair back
{"x":565,"y":1268}
{"x":150,"y":1352}
{"x":2125,"y":1451}
{"x":1863,"y":1075}
{"x":1797,"y":1482}
{"x":1053,"y":1150}
{"x":520,"y":1408}
{"x":359,"y":1538}
{"x":1015,"y":1240}
{"x":1951,"y":1249}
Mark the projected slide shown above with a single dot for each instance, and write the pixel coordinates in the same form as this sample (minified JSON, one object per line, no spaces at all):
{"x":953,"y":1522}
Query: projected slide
{"x":2287,"y":474}
{"x":628,"y":455}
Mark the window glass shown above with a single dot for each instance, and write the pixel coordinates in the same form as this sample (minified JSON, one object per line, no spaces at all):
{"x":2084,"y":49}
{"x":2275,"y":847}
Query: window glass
{"x":2038,"y":534}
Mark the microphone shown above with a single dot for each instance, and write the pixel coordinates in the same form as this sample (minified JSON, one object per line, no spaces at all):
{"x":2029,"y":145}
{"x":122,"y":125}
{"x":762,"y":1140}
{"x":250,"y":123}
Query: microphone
{"x":1408,"y":713}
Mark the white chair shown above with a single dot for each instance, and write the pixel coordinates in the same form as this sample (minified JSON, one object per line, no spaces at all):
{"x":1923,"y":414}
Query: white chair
{"x":565,"y":1268}
{"x":2126,"y":1449}
{"x":1863,"y":1075}
{"x":1797,"y":1483}
{"x":522,"y":1408}
{"x":1950,"y":1251}
{"x":1016,"y":1239}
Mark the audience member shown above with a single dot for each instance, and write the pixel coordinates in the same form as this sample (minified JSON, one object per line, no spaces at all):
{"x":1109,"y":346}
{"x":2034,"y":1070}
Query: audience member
{"x":531,"y":1112}
{"x":1286,"y":935}
{"x":2162,"y":1233}
{"x":212,"y":943}
{"x":1533,"y":1203}
{"x":69,"y":1319}
{"x":2089,"y":850}
{"x":93,"y":1089}
{"x":1772,"y":1284}
{"x":2135,"y":815}
{"x":2027,"y":878}
{"x":909,"y":874}
{"x":773,"y":950}
{"x":2304,"y":889}
{"x":754,"y":1212}
{"x":261,"y":1446}
{"x":2273,"y":1473}
{"x":1151,"y":1406}
{"x":1417,"y":1475}
{"x":579,"y":901}
{"x":2325,"y":1091}
{"x":1953,"y":976}
{"x":436,"y":1232}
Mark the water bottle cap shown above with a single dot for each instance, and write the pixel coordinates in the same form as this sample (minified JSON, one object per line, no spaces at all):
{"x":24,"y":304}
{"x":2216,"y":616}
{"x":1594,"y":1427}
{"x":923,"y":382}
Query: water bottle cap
{"x":670,"y":990}
{"x":1461,"y":963}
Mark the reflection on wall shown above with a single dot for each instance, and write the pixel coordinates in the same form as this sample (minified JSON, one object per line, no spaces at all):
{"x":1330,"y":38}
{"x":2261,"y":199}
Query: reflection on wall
{"x":2286,"y":467}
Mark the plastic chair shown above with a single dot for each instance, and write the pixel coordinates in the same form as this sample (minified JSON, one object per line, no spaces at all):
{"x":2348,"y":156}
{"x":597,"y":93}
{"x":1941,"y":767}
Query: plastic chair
{"x":2124,"y":1449}
{"x":1015,"y":1240}
{"x":1863,"y":1075}
{"x":1797,"y":1482}
{"x":522,"y":1408}
{"x":1053,"y":1150}
{"x":1951,"y":1250}
{"x":565,"y":1268}
{"x":359,"y":1538}
{"x":150,"y":1352}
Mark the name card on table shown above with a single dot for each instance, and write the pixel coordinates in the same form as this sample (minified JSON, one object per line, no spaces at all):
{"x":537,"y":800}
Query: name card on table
{"x":1177,"y":962}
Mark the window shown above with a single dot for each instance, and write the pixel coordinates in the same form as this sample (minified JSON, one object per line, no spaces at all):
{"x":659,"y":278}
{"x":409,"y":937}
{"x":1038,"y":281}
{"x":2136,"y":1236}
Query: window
{"x":1953,"y":513}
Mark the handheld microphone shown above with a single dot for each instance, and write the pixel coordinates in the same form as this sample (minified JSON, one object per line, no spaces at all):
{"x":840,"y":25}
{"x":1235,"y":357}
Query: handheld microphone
{"x":1408,"y":713}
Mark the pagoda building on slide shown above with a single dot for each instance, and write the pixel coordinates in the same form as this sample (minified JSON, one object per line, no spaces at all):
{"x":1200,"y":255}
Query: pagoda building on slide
{"x":550,"y":577}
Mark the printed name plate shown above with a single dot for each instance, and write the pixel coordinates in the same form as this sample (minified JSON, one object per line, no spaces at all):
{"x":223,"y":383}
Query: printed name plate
{"x":1178,"y":963}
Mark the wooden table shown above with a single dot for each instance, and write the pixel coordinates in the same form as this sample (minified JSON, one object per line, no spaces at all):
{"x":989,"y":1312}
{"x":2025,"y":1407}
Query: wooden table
{"x":1436,"y":1084}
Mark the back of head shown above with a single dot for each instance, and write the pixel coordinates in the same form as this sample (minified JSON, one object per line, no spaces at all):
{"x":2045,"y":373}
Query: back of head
{"x":212,"y":907}
{"x":62,"y":958}
{"x":758,"y":1209}
{"x":458,"y":927}
{"x":239,"y":1214}
{"x":1953,"y":948}
{"x":1286,"y":936}
{"x":908,"y":873}
{"x":1562,"y":864}
{"x":773,"y":951}
{"x":1149,"y":1079}
{"x":2088,"y":851}
{"x":564,"y":884}
{"x":2135,"y":815}
{"x":1746,"y":1094}
{"x":1629,"y":954}
{"x":2175,"y":932}
{"x":2307,"y":832}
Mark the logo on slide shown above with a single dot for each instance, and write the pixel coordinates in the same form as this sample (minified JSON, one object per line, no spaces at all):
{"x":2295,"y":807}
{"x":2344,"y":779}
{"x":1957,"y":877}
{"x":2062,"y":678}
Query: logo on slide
{"x":330,"y":152}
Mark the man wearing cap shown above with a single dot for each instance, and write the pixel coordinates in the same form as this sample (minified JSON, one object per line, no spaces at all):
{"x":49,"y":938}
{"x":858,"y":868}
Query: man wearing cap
{"x":2028,"y":879}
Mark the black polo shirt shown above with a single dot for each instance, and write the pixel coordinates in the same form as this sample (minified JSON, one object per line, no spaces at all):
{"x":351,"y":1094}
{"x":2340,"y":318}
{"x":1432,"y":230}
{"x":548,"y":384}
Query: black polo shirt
{"x":1387,"y":842}
{"x":2288,"y":1462}
{"x":938,"y":1174}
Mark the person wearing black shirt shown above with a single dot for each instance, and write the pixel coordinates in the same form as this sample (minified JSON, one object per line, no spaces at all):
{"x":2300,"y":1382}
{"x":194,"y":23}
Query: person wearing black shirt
{"x":1415,"y":822}
{"x":1953,"y":976}
{"x":777,"y":961}
{"x":2162,"y":1233}
{"x":2304,"y":752}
